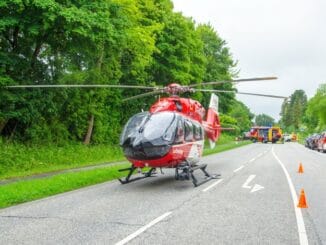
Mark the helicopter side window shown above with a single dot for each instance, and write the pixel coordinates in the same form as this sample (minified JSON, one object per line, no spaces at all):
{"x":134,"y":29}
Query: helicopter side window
{"x":198,"y":132}
{"x":189,"y":135}
{"x":179,"y":138}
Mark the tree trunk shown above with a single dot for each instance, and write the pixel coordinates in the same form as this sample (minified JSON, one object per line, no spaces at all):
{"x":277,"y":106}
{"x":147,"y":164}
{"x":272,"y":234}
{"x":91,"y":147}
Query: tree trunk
{"x":3,"y":123}
{"x":88,"y":136}
{"x":13,"y":131}
{"x":101,"y":56}
{"x":36,"y":52}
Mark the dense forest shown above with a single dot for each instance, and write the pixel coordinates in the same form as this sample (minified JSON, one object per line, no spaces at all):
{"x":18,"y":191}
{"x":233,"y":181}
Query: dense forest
{"x":300,"y":114}
{"x":132,"y":42}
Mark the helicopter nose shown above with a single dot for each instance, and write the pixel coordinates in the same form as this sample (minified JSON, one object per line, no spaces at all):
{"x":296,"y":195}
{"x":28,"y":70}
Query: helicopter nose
{"x":137,"y":141}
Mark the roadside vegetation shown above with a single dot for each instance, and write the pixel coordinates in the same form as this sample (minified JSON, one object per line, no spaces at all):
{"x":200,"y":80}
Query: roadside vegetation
{"x":130,"y":42}
{"x":22,"y":160}
{"x":303,"y":116}
{"x":18,"y":160}
{"x":32,"y":189}
{"x":28,"y":190}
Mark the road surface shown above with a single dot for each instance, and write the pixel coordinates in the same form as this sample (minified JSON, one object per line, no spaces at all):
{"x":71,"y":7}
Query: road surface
{"x":254,"y":202}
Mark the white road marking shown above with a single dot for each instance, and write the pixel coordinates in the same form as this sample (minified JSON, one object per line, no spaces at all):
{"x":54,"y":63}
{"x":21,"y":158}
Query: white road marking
{"x":142,"y":229}
{"x":250,"y":178}
{"x":251,"y":160}
{"x":256,"y":188}
{"x":238,"y":169}
{"x":212,"y":185}
{"x":300,"y":222}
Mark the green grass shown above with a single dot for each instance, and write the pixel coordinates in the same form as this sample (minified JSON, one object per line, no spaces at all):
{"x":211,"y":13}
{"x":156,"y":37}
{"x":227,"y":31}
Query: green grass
{"x":24,"y":191}
{"x":225,"y":147}
{"x":18,"y":160}
{"x":28,"y":190}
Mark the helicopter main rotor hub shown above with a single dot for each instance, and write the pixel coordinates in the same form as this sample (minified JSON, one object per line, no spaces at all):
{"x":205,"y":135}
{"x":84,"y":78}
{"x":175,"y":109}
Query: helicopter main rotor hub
{"x":175,"y":89}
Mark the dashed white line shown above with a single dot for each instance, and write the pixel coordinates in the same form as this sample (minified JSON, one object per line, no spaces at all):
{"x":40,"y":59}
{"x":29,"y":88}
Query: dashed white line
{"x":212,"y":185}
{"x":300,"y":223}
{"x":142,"y":229}
{"x":238,"y":169}
{"x":251,"y":160}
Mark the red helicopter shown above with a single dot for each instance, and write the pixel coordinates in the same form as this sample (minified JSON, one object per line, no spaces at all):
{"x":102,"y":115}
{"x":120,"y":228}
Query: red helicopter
{"x":171,"y":134}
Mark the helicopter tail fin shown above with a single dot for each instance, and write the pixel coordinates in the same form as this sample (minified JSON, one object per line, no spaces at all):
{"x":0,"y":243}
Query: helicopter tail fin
{"x":212,"y":124}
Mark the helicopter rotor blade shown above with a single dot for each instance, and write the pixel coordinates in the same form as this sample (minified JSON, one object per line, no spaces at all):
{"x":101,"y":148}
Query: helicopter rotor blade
{"x":143,"y":95}
{"x":233,"y":81}
{"x":82,"y":86}
{"x":264,"y":95}
{"x":245,"y":93}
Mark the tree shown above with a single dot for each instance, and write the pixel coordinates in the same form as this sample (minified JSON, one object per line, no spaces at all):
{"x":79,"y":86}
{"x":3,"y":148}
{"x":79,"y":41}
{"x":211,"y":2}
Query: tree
{"x":316,"y":110}
{"x":293,"y":111}
{"x":179,"y":56}
{"x":264,"y":120}
{"x":137,"y":42}
{"x":219,"y":65}
{"x":242,"y":115}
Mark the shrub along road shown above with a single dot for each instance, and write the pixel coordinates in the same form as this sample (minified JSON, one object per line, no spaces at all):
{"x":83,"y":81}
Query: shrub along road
{"x":252,"y":203}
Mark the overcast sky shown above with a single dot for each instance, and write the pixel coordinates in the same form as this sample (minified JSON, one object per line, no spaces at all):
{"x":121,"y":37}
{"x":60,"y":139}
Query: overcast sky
{"x":286,"y":39}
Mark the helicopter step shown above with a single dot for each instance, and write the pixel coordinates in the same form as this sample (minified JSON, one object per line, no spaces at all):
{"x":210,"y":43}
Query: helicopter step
{"x":187,"y":171}
{"x":131,"y":170}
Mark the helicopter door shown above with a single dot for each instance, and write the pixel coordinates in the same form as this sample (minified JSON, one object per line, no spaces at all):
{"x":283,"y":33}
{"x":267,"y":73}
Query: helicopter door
{"x":193,"y":133}
{"x":179,"y":136}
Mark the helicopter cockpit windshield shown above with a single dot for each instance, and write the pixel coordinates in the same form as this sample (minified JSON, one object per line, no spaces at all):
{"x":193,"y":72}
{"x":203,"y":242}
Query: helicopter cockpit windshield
{"x":160,"y":125}
{"x":158,"y":128}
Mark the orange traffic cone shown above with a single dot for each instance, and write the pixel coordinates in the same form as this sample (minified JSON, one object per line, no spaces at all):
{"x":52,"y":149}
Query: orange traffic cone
{"x":302,"y":200}
{"x":300,"y":171}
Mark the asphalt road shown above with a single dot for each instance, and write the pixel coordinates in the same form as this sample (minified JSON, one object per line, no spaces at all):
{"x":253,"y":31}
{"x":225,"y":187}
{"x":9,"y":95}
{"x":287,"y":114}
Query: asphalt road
{"x":251,"y":203}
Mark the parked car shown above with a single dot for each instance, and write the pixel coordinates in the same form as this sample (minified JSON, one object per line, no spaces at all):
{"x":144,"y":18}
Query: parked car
{"x":311,"y":141}
{"x":321,"y":142}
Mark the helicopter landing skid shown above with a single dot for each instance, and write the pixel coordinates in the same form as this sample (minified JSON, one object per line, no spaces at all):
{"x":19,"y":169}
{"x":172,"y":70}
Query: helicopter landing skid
{"x":187,"y":172}
{"x":131,"y":170}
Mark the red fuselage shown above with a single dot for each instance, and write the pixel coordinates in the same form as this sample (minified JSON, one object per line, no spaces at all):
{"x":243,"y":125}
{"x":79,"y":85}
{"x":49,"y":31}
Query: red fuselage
{"x":171,"y":133}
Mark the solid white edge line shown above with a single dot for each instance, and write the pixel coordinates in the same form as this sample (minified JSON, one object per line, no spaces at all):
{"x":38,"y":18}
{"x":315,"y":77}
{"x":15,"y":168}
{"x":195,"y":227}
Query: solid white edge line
{"x":142,"y":229}
{"x":212,"y":185}
{"x":300,"y":223}
{"x":238,"y":169}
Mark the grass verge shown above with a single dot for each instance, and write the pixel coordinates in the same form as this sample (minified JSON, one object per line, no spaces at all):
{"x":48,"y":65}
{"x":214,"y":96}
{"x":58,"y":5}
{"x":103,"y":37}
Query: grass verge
{"x":225,"y":147}
{"x":18,"y":160}
{"x":28,"y":190}
{"x":24,"y":191}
